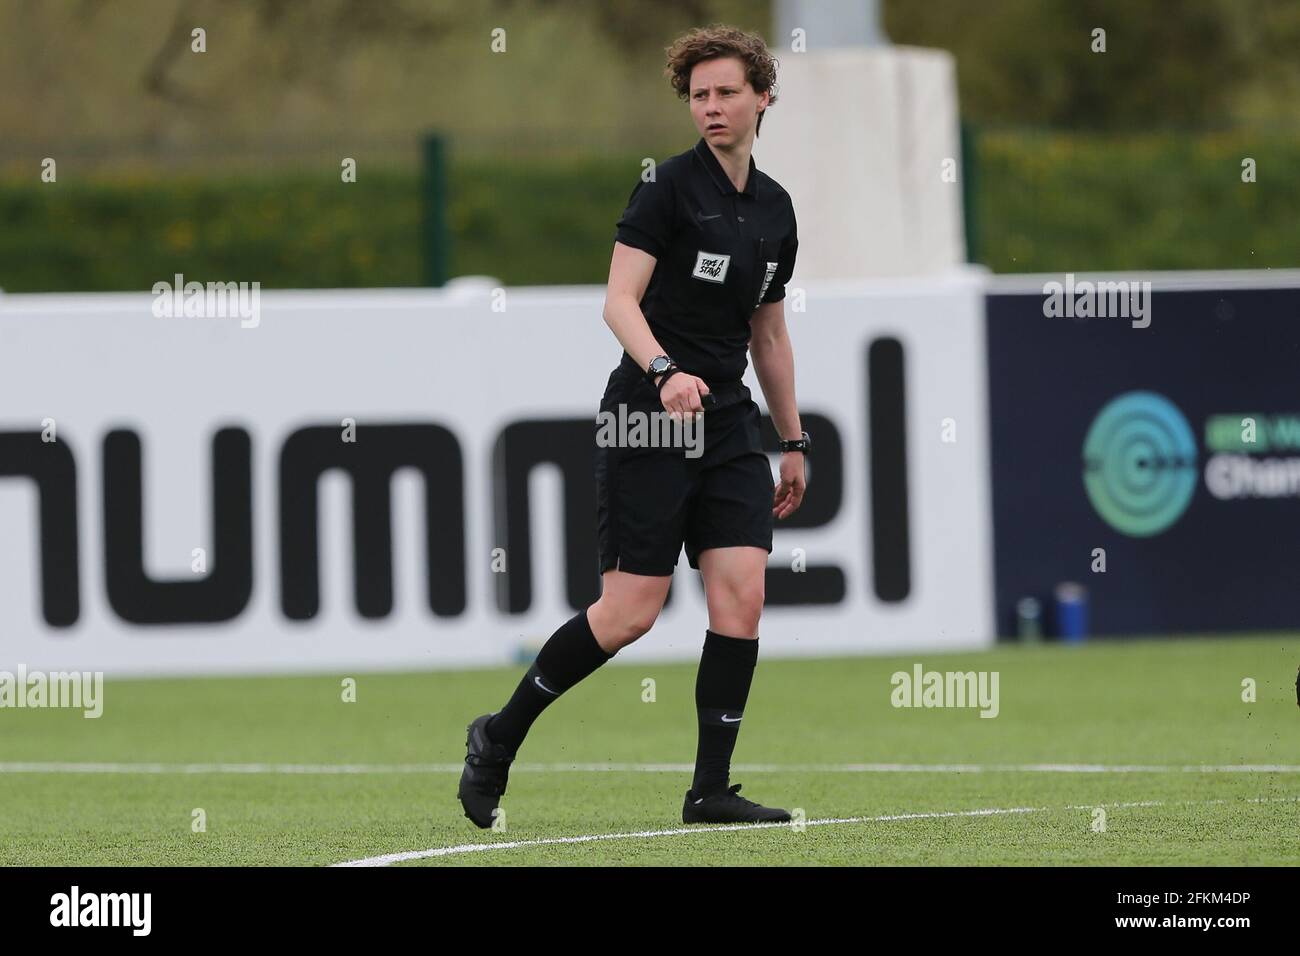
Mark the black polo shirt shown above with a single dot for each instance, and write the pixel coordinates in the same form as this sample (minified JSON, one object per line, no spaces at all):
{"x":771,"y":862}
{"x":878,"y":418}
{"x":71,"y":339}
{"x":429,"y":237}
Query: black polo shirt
{"x":720,"y":253}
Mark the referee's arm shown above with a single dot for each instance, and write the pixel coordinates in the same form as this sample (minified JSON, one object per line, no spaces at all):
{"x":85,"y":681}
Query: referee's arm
{"x":630,"y":270}
{"x":773,"y":358}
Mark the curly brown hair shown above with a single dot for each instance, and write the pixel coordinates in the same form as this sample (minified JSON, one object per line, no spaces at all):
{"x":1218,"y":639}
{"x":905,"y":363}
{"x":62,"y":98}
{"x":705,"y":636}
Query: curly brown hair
{"x":719,"y":40}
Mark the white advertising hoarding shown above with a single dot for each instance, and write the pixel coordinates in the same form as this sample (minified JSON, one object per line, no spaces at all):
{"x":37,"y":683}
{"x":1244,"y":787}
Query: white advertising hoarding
{"x":177,"y":492}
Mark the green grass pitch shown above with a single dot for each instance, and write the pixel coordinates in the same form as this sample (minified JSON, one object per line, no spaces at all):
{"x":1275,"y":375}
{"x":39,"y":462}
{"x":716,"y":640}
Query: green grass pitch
{"x":286,"y":772}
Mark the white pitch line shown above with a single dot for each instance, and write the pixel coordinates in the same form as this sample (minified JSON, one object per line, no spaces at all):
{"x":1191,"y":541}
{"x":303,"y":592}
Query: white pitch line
{"x":417,"y":768}
{"x":387,"y":859}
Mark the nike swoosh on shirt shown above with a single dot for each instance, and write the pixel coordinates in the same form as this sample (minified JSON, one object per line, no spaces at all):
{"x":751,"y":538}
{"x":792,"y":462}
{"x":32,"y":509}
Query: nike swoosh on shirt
{"x":702,"y":217}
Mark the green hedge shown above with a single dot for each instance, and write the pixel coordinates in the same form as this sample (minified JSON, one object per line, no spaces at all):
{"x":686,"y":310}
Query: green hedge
{"x":539,"y":222}
{"x":127,"y":233}
{"x":1056,"y":202}
{"x":1049,"y":202}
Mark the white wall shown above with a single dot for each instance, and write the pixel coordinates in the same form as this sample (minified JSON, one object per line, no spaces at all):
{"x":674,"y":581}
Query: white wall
{"x":859,"y":138}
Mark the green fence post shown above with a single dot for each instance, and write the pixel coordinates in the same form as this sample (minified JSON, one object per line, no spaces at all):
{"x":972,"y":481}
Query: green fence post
{"x":435,"y":242}
{"x":969,"y":189}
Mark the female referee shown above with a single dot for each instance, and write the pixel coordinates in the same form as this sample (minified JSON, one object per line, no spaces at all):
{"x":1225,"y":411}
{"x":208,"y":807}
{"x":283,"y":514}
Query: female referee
{"x":701,"y":258}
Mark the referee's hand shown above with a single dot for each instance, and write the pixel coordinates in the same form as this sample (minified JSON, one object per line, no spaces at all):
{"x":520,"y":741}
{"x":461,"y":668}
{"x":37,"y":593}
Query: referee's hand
{"x":682,"y":395}
{"x":789,"y":493}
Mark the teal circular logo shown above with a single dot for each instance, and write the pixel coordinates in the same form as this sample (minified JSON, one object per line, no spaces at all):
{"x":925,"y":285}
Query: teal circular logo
{"x":1139,"y":463}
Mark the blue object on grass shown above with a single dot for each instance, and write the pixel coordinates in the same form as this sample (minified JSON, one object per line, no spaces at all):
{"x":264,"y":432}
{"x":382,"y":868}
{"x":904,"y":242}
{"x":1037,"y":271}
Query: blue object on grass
{"x":1071,"y":611}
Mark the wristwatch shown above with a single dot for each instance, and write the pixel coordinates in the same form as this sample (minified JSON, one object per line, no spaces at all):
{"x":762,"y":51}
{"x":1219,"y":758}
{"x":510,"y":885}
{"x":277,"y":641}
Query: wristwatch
{"x":802,"y":443}
{"x":658,"y":365}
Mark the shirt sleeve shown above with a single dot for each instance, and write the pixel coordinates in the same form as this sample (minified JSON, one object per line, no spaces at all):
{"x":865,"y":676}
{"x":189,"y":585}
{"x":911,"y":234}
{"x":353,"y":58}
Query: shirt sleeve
{"x":784,"y":266}
{"x":647,"y":222}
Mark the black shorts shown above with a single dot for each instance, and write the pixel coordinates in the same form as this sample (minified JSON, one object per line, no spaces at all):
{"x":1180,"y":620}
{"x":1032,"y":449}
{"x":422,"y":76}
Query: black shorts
{"x":649,"y":501}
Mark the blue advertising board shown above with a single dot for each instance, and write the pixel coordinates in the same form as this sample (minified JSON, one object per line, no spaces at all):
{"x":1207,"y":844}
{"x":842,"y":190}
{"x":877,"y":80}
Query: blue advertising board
{"x":1155,"y":461}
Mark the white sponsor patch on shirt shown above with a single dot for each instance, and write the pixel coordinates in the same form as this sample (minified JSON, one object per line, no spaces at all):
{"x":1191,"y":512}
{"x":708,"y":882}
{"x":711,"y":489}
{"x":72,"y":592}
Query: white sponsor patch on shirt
{"x":711,"y":266}
{"x":767,"y":279}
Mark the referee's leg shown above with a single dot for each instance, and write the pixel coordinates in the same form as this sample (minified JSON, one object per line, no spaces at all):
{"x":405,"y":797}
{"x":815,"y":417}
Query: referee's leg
{"x":627,"y":609}
{"x":734,"y":580}
{"x":628,"y":606}
{"x":734,"y":588}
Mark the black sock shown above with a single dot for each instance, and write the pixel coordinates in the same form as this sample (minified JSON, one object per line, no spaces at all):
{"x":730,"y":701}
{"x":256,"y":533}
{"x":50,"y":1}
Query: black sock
{"x":721,"y":689}
{"x":568,"y":655}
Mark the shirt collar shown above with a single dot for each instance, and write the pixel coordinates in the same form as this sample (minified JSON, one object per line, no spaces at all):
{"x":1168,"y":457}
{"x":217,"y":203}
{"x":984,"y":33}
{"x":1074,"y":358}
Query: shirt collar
{"x":719,"y":175}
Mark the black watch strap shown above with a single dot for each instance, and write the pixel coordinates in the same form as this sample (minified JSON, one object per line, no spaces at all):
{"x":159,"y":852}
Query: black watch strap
{"x":802,"y":444}
{"x":665,"y":376}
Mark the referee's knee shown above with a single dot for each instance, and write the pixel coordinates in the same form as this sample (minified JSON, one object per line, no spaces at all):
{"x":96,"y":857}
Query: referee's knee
{"x":735,"y":607}
{"x":616,"y":627}
{"x":735,"y":623}
{"x":736,"y":612}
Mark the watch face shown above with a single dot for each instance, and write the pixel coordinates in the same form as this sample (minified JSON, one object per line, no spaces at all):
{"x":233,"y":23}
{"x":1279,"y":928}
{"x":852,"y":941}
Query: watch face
{"x":659,"y":364}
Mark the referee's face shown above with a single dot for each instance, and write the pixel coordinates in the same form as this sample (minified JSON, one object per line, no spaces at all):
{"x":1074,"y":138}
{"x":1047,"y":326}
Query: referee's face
{"x":723,"y":104}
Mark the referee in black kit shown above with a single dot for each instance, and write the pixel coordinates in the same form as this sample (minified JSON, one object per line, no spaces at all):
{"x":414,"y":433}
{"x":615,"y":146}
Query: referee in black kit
{"x":701,"y":258}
